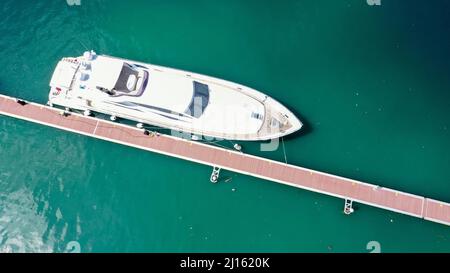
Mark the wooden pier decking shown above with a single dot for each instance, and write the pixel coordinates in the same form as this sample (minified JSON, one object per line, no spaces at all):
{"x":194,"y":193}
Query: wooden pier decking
{"x":347,"y":189}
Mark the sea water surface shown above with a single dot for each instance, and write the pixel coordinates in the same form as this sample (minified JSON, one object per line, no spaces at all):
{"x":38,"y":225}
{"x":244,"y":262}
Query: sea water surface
{"x":371,"y":84}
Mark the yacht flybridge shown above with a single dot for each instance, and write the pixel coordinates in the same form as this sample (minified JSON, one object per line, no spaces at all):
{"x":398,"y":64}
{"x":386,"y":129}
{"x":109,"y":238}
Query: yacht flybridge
{"x":168,"y":98}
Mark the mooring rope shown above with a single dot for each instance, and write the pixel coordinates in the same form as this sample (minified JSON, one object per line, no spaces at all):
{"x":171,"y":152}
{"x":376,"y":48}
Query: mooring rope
{"x":284,"y":150}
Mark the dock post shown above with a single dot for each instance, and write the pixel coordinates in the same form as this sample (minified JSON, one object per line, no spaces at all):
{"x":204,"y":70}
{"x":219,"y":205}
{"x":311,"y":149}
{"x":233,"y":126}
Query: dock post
{"x":215,"y":175}
{"x":348,"y":209}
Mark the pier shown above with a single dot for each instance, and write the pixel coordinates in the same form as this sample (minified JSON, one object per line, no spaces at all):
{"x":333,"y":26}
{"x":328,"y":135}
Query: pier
{"x":348,"y":190}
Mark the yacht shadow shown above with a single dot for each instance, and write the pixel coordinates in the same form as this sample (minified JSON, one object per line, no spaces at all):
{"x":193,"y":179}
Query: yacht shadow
{"x":305,"y":130}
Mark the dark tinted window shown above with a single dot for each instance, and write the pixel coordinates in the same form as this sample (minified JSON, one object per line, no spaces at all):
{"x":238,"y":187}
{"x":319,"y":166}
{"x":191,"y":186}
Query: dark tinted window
{"x":199,"y":101}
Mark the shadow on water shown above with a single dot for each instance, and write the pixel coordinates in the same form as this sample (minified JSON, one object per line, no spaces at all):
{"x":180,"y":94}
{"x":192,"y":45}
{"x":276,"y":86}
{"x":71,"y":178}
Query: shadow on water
{"x":305,"y":130}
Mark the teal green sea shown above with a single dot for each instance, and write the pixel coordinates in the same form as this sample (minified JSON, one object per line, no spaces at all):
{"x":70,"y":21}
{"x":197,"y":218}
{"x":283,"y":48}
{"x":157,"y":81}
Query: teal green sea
{"x":371,"y":84}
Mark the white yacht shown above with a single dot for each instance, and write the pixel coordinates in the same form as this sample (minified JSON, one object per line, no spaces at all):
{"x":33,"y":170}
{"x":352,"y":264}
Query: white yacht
{"x":168,"y":98}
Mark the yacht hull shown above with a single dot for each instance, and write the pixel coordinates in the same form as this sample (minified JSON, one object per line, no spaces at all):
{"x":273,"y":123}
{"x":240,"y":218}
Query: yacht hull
{"x":182,"y":101}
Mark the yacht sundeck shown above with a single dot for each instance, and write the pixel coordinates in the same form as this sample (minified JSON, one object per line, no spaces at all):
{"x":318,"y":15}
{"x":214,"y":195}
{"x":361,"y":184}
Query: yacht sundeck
{"x":168,"y":98}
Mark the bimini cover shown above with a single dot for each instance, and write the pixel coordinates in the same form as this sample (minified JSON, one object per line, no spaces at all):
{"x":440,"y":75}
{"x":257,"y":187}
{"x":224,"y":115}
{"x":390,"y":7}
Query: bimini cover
{"x":105,"y":72}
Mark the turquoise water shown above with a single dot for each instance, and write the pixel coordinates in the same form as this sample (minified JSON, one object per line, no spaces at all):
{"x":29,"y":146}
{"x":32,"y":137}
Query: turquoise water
{"x":370,"y":83}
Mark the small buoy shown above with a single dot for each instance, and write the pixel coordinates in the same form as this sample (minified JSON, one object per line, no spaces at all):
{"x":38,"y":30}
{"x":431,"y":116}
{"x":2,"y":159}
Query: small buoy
{"x":140,"y":125}
{"x":87,"y":112}
{"x":214,"y":178}
{"x":113,"y":118}
{"x":233,"y":189}
{"x":237,"y":147}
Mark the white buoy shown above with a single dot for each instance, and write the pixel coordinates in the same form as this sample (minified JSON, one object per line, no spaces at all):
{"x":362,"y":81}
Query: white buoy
{"x":237,"y":147}
{"x":113,"y":118}
{"x":87,"y":112}
{"x":214,"y":178}
{"x":140,"y":125}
